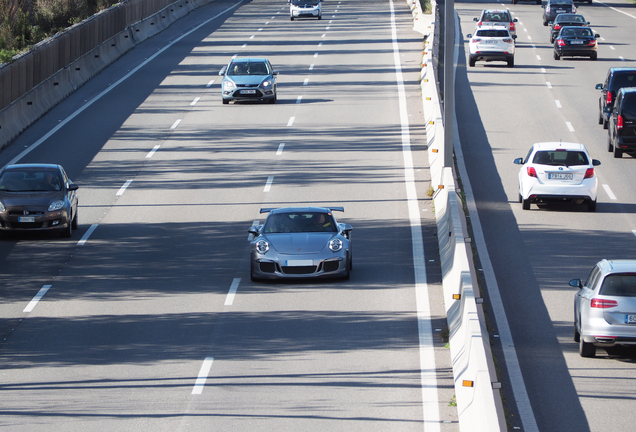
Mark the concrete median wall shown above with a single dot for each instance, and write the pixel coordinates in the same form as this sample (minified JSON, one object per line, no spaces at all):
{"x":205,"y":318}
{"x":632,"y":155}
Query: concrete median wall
{"x":26,"y":102}
{"x":477,"y":393}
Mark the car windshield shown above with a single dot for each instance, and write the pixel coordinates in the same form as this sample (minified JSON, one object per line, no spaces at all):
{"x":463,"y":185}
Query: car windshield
{"x":619,"y":284}
{"x":576,"y":32}
{"x":248,"y":68}
{"x":560,"y":158}
{"x":30,"y":180}
{"x":298,"y":222}
{"x":305,"y":2}
{"x":492,"y":33}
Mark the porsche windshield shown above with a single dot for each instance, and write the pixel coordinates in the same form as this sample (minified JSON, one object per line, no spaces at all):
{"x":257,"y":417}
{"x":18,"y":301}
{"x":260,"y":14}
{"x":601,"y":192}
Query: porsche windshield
{"x":300,"y":222}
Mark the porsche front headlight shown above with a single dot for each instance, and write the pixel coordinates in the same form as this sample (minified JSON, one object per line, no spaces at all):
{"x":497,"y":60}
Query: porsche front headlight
{"x":335,"y":245}
{"x":262,"y":246}
{"x":56,"y":205}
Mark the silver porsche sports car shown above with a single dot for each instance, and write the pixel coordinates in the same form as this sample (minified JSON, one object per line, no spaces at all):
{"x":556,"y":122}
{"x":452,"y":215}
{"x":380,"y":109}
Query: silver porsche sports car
{"x":301,"y":242}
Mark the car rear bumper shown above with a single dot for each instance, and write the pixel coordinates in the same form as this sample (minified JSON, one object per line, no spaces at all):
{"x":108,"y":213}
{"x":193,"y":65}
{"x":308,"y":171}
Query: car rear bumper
{"x":576,"y":52}
{"x":542,"y":192}
{"x":492,"y":56}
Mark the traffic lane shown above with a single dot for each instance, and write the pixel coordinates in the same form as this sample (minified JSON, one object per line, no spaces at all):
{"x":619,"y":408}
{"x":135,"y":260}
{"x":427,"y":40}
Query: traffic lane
{"x":544,"y":370}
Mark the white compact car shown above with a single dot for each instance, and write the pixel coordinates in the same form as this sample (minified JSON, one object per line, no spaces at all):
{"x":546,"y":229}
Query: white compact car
{"x":491,"y":44}
{"x":305,"y":9}
{"x":557,"y":172}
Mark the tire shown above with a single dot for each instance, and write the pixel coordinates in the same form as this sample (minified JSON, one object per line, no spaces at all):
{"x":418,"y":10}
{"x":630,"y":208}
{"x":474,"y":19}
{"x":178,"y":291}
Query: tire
{"x":226,"y":101}
{"x":545,"y":23}
{"x":556,"y":56}
{"x":471,"y":62}
{"x":617,"y":153}
{"x":587,"y":350}
{"x":605,"y":123}
{"x":75,"y":223}
{"x":520,"y":198}
{"x":511,"y":63}
{"x":551,"y":40}
{"x":273,"y":100}
{"x":291,"y":18}
{"x":577,"y":335}
{"x":610,"y":146}
{"x":539,"y":2}
{"x":594,"y":57}
{"x":601,"y":119}
{"x":591,"y":206}
{"x":253,"y":277}
{"x":525,"y":204}
{"x":319,"y":17}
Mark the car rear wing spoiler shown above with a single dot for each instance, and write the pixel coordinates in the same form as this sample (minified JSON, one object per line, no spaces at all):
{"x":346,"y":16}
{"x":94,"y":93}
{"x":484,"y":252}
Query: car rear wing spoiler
{"x":269,"y":209}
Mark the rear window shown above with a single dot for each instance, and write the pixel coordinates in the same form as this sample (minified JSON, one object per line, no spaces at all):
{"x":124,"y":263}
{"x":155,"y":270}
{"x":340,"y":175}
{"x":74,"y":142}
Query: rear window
{"x":560,"y":158}
{"x":492,"y":33}
{"x":628,"y":106}
{"x":496,"y":17}
{"x":619,"y":284}
{"x":576,"y":32}
{"x":622,"y":79}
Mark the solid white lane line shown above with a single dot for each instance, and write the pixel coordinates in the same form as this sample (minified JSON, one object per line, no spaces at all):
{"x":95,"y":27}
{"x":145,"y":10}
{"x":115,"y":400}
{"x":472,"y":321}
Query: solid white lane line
{"x":63,"y":123}
{"x":268,"y":185}
{"x":299,"y":99}
{"x":124,"y":187}
{"x":609,"y":192}
{"x":558,"y":103}
{"x":203,"y":375}
{"x":87,"y":234}
{"x":428,"y":369}
{"x":281,"y":146}
{"x":175,"y":124}
{"x":570,"y":127}
{"x":291,"y":121}
{"x":152,"y":152}
{"x":194,"y":102}
{"x":232,"y":292}
{"x":37,"y":298}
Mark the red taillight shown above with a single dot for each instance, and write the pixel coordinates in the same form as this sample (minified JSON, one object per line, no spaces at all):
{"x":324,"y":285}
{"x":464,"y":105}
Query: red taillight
{"x":560,"y":42}
{"x":532,"y":172}
{"x":610,"y":97}
{"x":619,"y":122}
{"x":479,"y":23}
{"x":592,"y":43}
{"x":476,"y":40}
{"x":512,"y":26}
{"x":603,"y":303}
{"x":589,"y":173}
{"x":556,"y":27}
{"x":547,"y":8}
{"x":507,"y":40}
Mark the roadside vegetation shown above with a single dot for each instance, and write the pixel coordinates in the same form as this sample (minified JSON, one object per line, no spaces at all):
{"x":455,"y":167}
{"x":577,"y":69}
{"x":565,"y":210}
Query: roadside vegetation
{"x":24,"y":23}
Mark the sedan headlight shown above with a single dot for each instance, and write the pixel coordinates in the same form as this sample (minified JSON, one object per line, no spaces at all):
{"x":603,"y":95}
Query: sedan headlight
{"x":56,"y":205}
{"x":2,"y":209}
{"x":228,"y":85}
{"x":335,"y":245}
{"x":262,"y":246}
{"x":267,"y":83}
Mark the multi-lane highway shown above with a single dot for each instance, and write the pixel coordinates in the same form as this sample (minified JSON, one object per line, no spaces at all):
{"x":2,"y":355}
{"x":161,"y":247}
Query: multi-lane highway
{"x":146,"y":318}
{"x":501,"y":112}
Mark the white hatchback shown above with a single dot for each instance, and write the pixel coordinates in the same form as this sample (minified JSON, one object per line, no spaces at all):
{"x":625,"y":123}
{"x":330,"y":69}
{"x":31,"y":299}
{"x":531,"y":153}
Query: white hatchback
{"x":305,"y":9}
{"x":491,"y":44}
{"x":557,"y":172}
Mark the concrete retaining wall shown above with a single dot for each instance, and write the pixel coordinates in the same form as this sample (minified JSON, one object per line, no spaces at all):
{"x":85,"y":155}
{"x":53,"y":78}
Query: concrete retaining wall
{"x":479,"y":404}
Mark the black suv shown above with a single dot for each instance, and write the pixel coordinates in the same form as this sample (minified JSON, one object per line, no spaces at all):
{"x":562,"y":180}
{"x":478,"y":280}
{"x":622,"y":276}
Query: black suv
{"x":617,"y":78}
{"x":622,"y":123}
{"x":554,"y":7}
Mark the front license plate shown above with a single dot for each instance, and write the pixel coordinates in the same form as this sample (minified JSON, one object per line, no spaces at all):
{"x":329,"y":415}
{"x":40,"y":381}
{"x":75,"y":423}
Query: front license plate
{"x":630,"y":319}
{"x":576,"y":42}
{"x":560,"y":176}
{"x":299,"y":263}
{"x":248,"y":91}
{"x":26,"y":219}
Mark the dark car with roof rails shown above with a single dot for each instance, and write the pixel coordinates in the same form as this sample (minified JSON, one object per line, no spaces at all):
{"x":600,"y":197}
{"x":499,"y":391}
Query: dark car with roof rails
{"x":552,"y":8}
{"x":566,"y":19}
{"x":617,"y":78}
{"x":622,"y":123}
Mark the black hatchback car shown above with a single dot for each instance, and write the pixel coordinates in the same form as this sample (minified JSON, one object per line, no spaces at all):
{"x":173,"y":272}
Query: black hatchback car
{"x":566,"y":19}
{"x":576,"y":42}
{"x":37,"y":197}
{"x":617,"y":78}
{"x":622,"y":123}
{"x":554,"y":7}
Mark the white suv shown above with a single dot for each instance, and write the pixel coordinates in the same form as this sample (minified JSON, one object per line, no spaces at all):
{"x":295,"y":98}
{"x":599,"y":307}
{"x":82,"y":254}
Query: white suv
{"x":305,"y":9}
{"x":491,"y":44}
